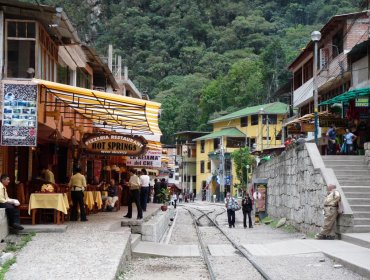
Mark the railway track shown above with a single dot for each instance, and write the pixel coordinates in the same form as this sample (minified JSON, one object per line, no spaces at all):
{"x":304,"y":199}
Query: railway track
{"x":208,"y":219}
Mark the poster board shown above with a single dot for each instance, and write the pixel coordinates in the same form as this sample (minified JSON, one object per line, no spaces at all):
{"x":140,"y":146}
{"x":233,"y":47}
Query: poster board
{"x":19,"y":114}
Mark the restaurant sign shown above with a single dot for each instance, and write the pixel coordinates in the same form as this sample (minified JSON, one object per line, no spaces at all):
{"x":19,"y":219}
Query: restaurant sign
{"x":151,"y":159}
{"x":114,"y":144}
{"x":307,"y":127}
{"x":19,"y":114}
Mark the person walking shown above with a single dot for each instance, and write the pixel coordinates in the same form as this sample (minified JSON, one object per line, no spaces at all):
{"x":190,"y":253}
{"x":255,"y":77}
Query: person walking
{"x":230,"y":204}
{"x":78,"y":185}
{"x":332,"y":135}
{"x":9,"y":204}
{"x":134,"y":185}
{"x":349,"y":137}
{"x":331,"y":204}
{"x":174,"y":199}
{"x":247,"y":209}
{"x":144,"y":188}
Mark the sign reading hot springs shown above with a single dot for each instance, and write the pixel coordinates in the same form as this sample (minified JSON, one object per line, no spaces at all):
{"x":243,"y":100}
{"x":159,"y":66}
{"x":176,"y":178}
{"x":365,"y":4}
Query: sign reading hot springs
{"x":115,"y":144}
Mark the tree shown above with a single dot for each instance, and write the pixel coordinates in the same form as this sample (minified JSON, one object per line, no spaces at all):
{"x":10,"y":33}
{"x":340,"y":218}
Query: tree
{"x":242,"y":158}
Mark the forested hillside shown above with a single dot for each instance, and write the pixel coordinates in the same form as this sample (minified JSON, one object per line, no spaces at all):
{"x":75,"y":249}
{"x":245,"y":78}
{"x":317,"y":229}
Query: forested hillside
{"x":203,"y":58}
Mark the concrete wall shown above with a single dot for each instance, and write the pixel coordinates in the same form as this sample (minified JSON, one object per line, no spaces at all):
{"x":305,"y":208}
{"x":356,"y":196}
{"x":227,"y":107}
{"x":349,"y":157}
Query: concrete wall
{"x":296,"y":190}
{"x":3,"y":224}
{"x":367,"y":152}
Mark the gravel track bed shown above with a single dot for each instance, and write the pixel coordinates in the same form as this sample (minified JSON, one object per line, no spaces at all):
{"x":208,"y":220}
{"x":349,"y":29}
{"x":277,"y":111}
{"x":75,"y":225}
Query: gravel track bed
{"x":184,"y":232}
{"x":166,"y":268}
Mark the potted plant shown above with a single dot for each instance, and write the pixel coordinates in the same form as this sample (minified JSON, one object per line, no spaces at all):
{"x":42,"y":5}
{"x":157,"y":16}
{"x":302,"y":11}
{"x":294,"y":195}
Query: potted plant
{"x":163,"y":197}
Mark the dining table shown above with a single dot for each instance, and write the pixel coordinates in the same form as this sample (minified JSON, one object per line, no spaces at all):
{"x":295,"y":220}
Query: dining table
{"x":56,"y":201}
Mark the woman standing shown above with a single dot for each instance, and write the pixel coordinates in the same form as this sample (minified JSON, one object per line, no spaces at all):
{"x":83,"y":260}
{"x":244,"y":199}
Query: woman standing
{"x":349,"y":137}
{"x":247,"y":209}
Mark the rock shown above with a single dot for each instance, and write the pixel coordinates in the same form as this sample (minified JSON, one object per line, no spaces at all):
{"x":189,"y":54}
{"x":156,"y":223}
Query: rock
{"x":5,"y":257}
{"x":322,"y":260}
{"x":281,"y":222}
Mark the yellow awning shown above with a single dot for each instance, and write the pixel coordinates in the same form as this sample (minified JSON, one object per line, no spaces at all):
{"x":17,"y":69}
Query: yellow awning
{"x":108,"y":110}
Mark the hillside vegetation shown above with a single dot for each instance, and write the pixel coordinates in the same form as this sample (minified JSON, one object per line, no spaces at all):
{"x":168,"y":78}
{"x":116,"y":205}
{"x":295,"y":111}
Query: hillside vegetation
{"x":203,"y":58}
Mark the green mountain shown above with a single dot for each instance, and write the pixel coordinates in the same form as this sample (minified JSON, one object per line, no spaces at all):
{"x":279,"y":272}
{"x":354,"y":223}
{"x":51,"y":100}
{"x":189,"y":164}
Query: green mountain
{"x":202,"y":58}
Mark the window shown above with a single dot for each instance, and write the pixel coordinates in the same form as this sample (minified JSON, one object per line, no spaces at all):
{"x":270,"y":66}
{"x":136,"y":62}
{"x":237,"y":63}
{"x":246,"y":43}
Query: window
{"x":254,"y":120}
{"x":337,"y":43}
{"x":208,"y":165}
{"x":244,"y":121}
{"x":194,"y":179}
{"x":216,"y":142}
{"x":20,"y":49}
{"x":297,"y":78}
{"x":177,"y":177}
{"x":202,"y":166}
{"x":272,"y":119}
{"x":202,"y":144}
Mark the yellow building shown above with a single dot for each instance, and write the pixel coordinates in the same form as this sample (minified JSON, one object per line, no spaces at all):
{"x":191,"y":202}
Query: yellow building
{"x":258,"y":127}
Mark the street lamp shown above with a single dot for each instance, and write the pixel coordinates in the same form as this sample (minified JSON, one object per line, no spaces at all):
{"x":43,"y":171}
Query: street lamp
{"x":246,"y":188}
{"x":262,"y":112}
{"x":315,"y":37}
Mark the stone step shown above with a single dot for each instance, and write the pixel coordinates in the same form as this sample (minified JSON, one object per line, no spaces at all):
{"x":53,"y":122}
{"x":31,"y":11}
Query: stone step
{"x":342,"y":157}
{"x":362,"y":221}
{"x":344,"y":162}
{"x":355,"y":169}
{"x":359,"y":239}
{"x":361,"y":228}
{"x":359,"y":201}
{"x":355,"y":188}
{"x":349,"y":182}
{"x":357,"y":194}
{"x":360,"y":208}
{"x":361,"y":215}
{"x":350,"y":176}
{"x":135,"y":239}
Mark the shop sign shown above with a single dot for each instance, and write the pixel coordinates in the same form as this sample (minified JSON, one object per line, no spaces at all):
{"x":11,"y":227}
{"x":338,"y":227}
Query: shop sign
{"x":19,"y":115}
{"x":152,"y":158}
{"x":114,"y":144}
{"x":328,"y":121}
{"x":294,"y":129}
{"x":307,"y":127}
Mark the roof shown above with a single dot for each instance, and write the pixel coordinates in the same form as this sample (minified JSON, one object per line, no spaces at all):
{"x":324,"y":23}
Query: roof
{"x":326,"y":29}
{"x":43,"y":13}
{"x":99,"y":66}
{"x":270,"y":108}
{"x":229,"y":132}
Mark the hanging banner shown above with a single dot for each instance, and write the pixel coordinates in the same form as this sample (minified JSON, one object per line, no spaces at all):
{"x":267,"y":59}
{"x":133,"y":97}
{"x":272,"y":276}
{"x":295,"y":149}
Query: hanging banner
{"x":152,"y":158}
{"x":114,"y":144}
{"x":19,"y":114}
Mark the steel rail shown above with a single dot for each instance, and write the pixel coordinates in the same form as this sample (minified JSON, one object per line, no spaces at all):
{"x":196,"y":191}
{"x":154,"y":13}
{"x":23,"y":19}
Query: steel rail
{"x":236,"y":246}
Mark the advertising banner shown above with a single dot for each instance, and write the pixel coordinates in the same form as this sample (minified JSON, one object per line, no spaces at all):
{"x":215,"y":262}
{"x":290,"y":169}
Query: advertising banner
{"x":151,"y":158}
{"x":19,"y":115}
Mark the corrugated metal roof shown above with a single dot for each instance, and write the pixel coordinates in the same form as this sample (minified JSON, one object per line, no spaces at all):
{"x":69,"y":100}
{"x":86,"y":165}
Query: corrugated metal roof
{"x":270,"y":108}
{"x":229,"y":132}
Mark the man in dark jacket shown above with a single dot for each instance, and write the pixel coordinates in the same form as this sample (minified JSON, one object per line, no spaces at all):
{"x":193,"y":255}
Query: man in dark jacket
{"x":247,"y":209}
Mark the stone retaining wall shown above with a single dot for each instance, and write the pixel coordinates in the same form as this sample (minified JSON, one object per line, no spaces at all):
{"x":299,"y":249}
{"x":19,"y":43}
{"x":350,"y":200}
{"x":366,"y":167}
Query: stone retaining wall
{"x":367,"y":152}
{"x":3,"y":224}
{"x":296,"y":190}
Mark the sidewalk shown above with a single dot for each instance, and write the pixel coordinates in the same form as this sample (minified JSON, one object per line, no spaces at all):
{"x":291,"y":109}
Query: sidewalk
{"x":97,"y":249}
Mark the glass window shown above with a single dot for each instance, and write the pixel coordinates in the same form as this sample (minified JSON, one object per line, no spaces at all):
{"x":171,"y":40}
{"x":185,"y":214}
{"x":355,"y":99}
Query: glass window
{"x":244,"y":121}
{"x":216,"y":142}
{"x":202,"y":144}
{"x":254,"y":120}
{"x":272,"y":119}
{"x":20,"y":57}
{"x":202,"y":166}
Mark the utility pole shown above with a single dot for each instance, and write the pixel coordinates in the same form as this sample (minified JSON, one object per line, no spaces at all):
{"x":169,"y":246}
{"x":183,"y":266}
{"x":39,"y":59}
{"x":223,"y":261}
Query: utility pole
{"x":222,"y":169}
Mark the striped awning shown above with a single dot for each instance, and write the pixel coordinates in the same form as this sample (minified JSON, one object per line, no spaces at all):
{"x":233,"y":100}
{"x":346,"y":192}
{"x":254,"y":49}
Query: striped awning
{"x":108,"y":111}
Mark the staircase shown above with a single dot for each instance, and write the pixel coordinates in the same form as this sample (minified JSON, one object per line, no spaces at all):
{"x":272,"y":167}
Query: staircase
{"x":353,"y":175}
